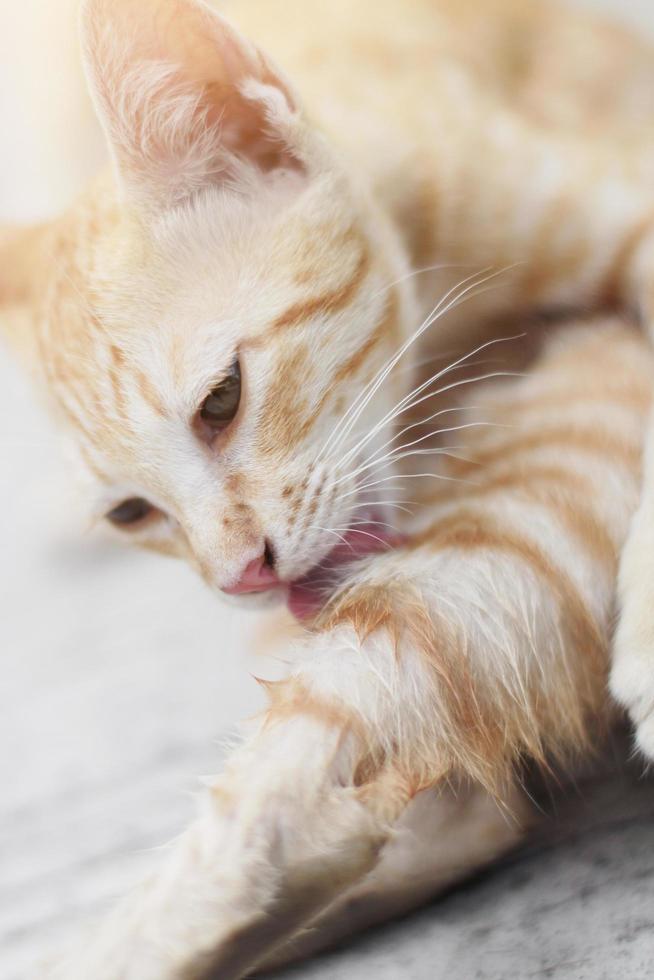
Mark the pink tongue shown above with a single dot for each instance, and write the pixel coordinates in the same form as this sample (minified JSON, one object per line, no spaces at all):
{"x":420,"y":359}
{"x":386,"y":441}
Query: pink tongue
{"x":307,"y":595}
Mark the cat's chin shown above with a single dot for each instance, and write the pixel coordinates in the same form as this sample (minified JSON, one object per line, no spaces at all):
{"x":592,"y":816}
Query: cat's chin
{"x":257,"y":600}
{"x":309,"y":594}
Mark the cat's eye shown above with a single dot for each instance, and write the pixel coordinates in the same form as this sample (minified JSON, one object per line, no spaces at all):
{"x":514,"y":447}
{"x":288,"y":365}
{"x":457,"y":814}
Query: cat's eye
{"x":130,"y":513}
{"x":221,"y":405}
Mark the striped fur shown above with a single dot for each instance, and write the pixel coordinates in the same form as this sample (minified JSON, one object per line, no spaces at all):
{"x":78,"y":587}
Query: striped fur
{"x":245,"y":216}
{"x":433,"y":671}
{"x":310,"y":233}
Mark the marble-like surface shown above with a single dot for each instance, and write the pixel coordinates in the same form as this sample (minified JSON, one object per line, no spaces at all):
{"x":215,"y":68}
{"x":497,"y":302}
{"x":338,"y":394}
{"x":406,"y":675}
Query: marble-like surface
{"x":119,"y":673}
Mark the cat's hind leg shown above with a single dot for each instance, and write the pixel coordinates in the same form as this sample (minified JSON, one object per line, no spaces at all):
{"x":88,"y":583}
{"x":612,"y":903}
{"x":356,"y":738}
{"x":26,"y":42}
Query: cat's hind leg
{"x":443,"y":835}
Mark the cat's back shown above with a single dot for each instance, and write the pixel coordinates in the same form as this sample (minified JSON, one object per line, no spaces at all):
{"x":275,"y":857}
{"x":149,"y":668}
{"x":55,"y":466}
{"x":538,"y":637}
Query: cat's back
{"x":399,"y":57}
{"x":344,"y":45}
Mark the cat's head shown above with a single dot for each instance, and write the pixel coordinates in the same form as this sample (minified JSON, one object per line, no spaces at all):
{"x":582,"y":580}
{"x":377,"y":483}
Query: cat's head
{"x":219,"y":307}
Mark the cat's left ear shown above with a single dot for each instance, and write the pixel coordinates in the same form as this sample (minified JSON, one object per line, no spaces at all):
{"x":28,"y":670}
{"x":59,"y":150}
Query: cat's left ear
{"x":185,"y":100}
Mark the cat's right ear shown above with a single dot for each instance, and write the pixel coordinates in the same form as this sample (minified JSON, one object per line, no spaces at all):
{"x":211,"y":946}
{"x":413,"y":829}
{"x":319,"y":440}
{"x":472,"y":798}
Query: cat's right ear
{"x":186,"y":101}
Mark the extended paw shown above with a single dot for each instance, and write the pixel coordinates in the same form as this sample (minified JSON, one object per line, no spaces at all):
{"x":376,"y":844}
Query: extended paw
{"x":632,"y":685}
{"x":632,"y":675}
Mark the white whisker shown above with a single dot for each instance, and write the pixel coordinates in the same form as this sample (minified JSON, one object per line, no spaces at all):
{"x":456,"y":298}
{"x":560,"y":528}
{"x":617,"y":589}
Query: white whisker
{"x":327,"y":530}
{"x":393,"y":454}
{"x":344,"y":424}
{"x":420,"y":272}
{"x":405,"y":403}
{"x":410,"y":476}
{"x":368,"y":534}
{"x":399,"y":504}
{"x":435,"y":315}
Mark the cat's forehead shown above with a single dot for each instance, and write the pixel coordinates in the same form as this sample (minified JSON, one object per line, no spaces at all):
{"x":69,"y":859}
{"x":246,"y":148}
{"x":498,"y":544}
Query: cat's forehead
{"x":220,"y":273}
{"x":170,"y":307}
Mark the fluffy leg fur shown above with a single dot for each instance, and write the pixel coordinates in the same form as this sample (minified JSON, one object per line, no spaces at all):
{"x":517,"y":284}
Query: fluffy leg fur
{"x":440,"y":837}
{"x":302,"y":812}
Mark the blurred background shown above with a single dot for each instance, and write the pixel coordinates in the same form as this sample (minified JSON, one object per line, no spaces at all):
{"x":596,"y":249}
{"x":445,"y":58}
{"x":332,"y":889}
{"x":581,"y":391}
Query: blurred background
{"x":120,"y":672}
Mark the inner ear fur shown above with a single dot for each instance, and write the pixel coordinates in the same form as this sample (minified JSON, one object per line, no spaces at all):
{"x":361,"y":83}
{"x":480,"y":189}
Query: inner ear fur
{"x":184,"y":98}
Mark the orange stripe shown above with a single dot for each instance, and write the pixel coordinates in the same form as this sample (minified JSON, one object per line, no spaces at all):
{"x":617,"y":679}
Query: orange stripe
{"x":385,"y":327}
{"x":470,"y":530}
{"x":290,"y":699}
{"x":327,"y":303}
{"x":553,"y":486}
{"x":149,"y":393}
{"x":635,"y":396}
{"x":566,"y":437}
{"x":115,"y":380}
{"x":288,"y":415}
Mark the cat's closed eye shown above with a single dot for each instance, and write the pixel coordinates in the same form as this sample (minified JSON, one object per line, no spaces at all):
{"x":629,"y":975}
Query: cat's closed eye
{"x":131,"y":513}
{"x":220,"y":407}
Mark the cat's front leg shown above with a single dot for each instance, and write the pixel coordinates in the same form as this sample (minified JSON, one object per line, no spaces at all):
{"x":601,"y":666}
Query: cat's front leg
{"x":300,"y":813}
{"x":441,"y":836}
{"x":632,"y":672}
{"x":632,"y":675}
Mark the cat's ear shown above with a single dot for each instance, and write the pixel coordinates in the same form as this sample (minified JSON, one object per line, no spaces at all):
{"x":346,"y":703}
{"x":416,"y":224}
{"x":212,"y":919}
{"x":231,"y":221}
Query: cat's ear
{"x":185,"y":100}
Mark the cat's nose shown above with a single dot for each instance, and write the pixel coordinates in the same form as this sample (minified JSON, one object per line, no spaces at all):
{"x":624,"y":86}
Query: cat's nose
{"x":257,"y":576}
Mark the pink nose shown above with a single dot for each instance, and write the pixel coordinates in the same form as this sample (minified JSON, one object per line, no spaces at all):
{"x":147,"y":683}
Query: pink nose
{"x":258,"y":576}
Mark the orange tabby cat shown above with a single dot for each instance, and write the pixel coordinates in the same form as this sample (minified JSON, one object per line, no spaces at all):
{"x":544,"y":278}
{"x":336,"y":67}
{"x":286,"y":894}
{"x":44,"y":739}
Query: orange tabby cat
{"x":219,"y":319}
{"x":388,"y":763}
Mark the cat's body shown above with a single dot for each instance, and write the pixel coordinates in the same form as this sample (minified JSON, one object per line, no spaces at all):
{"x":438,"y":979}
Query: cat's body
{"x":222,"y":326}
{"x":434,"y":670}
{"x":436,"y":107}
{"x":441,"y":104}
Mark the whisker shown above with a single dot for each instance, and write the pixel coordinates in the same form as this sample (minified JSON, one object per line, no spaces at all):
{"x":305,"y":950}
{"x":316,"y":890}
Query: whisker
{"x":411,"y":476}
{"x":418,"y":401}
{"x":369,"y":391}
{"x":399,"y":504}
{"x":443,"y":306}
{"x":369,"y":488}
{"x":328,"y":530}
{"x":451,"y":387}
{"x":393,"y":527}
{"x":436,"y":314}
{"x":405,"y":404}
{"x":393,"y":455}
{"x":368,"y":534}
{"x":440,"y":266}
{"x":413,"y":425}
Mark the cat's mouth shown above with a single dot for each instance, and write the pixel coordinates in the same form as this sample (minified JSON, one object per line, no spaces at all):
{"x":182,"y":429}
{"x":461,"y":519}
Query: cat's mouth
{"x":307,"y":595}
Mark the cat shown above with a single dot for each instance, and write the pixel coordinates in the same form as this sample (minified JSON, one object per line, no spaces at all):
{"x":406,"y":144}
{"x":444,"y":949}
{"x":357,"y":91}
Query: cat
{"x":218,"y":320}
{"x":388,"y":764}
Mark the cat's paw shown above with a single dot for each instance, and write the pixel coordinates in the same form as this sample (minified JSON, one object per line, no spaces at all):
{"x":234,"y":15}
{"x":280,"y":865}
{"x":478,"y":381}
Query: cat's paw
{"x":632,"y":685}
{"x":632,"y":674}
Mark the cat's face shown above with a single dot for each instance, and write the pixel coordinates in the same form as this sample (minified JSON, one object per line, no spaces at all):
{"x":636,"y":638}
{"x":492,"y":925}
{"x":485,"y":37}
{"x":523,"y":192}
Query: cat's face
{"x":216,"y":328}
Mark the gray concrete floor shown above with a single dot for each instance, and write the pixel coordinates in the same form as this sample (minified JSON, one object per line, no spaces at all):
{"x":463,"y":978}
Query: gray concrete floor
{"x":119,"y":674}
